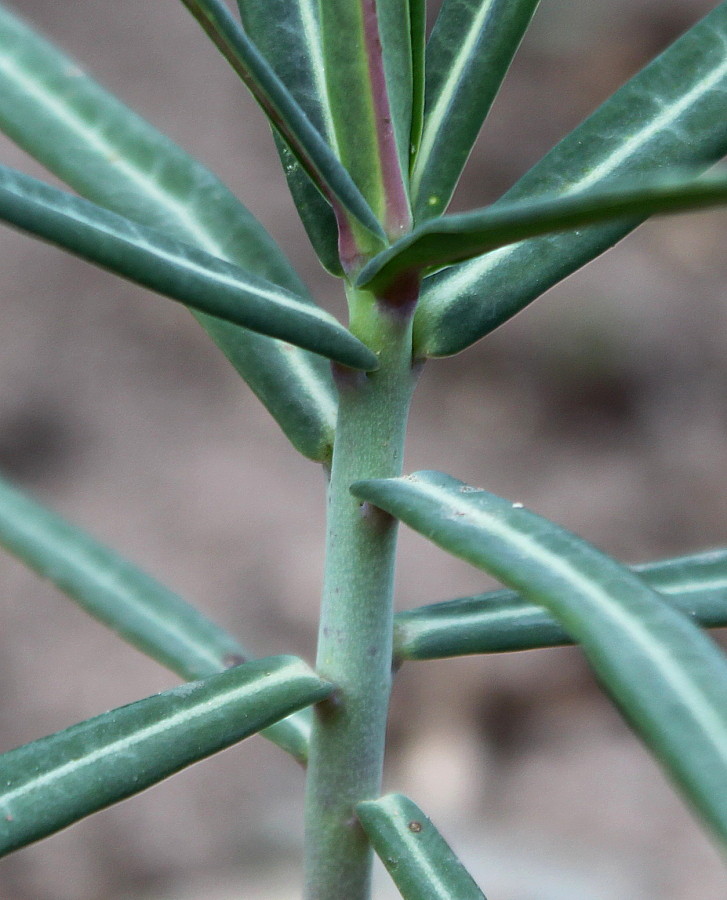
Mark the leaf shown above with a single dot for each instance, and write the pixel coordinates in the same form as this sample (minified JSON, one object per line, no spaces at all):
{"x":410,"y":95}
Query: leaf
{"x":57,"y":780}
{"x":110,"y":155}
{"x":397,"y":29}
{"x":501,"y":621}
{"x":415,"y":854}
{"x":418,"y":23}
{"x":304,"y":141}
{"x":668,"y":678}
{"x":450,"y":239}
{"x":136,"y":606}
{"x":287,"y":34}
{"x":170,"y":267}
{"x":670,"y":114}
{"x":368,"y":68}
{"x":469,"y":52}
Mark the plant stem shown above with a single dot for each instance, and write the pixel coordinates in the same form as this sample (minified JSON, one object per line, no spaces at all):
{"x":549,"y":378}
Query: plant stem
{"x":355,"y":637}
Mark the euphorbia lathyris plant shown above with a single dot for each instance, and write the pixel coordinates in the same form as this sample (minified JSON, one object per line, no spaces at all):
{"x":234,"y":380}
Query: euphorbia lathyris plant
{"x":373,"y":129}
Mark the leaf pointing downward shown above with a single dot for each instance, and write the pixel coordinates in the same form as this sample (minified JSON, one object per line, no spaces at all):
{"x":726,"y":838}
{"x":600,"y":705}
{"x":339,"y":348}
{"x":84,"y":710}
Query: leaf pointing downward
{"x":421,"y":863}
{"x":467,"y":57}
{"x":667,"y":677}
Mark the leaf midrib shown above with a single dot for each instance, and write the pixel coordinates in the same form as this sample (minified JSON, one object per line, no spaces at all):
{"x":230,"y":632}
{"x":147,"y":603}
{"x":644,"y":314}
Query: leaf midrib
{"x":11,"y":64}
{"x":202,"y":237}
{"x":683,"y":687}
{"x":461,"y":275}
{"x":433,"y":121}
{"x":125,"y":744}
{"x":312,"y":31}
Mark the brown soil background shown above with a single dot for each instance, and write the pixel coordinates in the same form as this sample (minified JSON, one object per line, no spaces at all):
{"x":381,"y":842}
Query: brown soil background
{"x":601,"y":406}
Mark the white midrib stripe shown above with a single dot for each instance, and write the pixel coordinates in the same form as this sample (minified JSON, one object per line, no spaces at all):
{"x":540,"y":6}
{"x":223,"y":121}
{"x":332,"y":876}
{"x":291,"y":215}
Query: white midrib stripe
{"x":435,"y":119}
{"x":425,"y":866}
{"x":295,"y":360}
{"x":318,"y":68}
{"x":277,"y":295}
{"x":125,"y":744}
{"x":89,"y":136}
{"x":692,"y":698}
{"x":418,"y":627}
{"x":437,"y":622}
{"x":694,"y":587}
{"x":465,"y":274}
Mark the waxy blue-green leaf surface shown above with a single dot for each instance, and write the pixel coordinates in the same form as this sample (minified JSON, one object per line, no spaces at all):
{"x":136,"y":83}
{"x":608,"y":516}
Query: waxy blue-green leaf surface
{"x":55,"y":781}
{"x":673,"y":113}
{"x":419,"y":860}
{"x":418,"y":26}
{"x":368,"y":69}
{"x":501,"y":621}
{"x":144,"y":612}
{"x":107,"y":153}
{"x":451,"y":239}
{"x":667,"y":676}
{"x":170,"y":267}
{"x":287,"y":33}
{"x":397,"y":30}
{"x":469,"y":52}
{"x":304,"y":140}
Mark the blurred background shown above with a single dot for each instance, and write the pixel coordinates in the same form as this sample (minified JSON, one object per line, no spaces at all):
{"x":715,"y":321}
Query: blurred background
{"x":601,"y":406}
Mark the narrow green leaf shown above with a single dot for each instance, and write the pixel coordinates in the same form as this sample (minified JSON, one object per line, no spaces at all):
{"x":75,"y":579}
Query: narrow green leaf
{"x":397,"y":30}
{"x":287,"y":33}
{"x":667,"y":676}
{"x":136,"y":606}
{"x":418,"y":22}
{"x":415,"y":854}
{"x":469,"y":52}
{"x":697,"y":575}
{"x":177,"y":270}
{"x":368,"y":69}
{"x":57,"y":780}
{"x":450,"y":239}
{"x":671,"y":114}
{"x":120,"y":595}
{"x":303,"y":139}
{"x":501,"y":621}
{"x":110,"y":155}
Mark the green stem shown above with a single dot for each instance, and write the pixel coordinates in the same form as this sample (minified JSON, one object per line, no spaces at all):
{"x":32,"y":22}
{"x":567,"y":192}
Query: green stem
{"x":355,"y":637}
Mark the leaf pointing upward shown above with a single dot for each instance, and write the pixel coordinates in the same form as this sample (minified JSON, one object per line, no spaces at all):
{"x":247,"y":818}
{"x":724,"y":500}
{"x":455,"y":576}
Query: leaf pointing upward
{"x":288,"y":34}
{"x":136,"y":606}
{"x":110,"y":155}
{"x":305,"y":142}
{"x":57,"y":780}
{"x":655,"y":120}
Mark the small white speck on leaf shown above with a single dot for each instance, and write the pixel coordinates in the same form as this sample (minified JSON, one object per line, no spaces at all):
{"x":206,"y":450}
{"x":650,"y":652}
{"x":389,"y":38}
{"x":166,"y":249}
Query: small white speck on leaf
{"x":517,"y":506}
